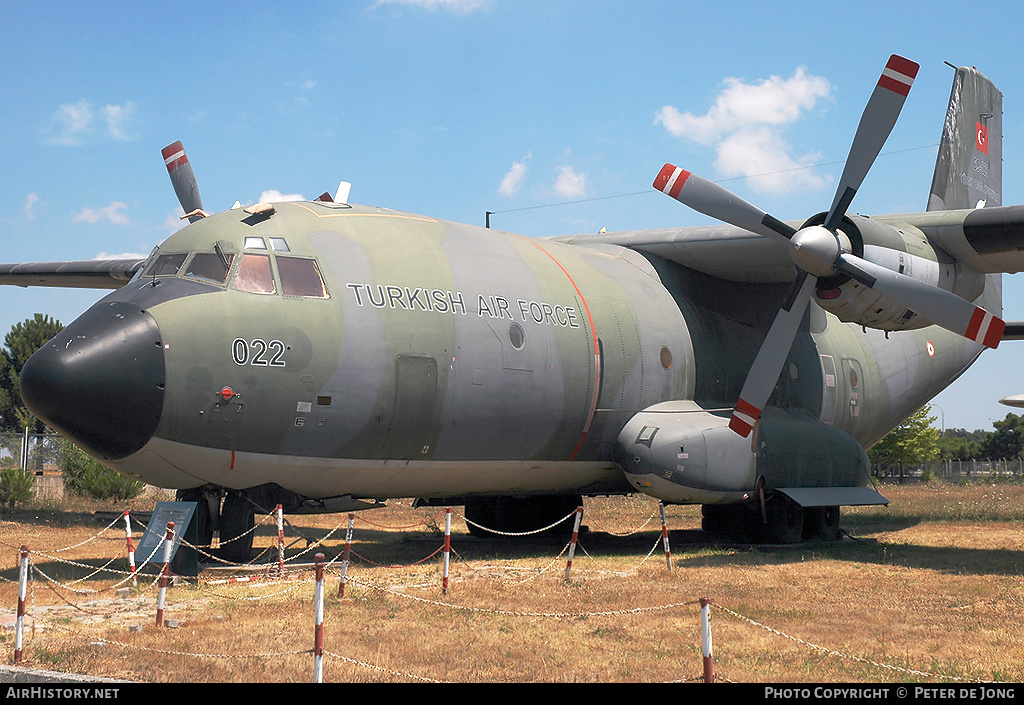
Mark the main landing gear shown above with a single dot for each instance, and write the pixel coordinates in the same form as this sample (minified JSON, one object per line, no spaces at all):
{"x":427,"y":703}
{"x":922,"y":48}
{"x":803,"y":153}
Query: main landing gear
{"x":227,"y":513}
{"x":780,"y":521}
{"x":493,"y":516}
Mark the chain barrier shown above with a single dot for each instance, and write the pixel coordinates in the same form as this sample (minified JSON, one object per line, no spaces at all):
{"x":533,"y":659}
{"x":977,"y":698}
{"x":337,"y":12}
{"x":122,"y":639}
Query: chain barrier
{"x":31,"y":569}
{"x":839,"y":654}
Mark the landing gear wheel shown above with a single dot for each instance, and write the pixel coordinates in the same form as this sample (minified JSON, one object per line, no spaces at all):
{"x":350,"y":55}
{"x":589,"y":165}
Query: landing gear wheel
{"x":821,"y":524}
{"x":237,"y":518}
{"x":739,"y":523}
{"x":480,"y":517}
{"x":785,"y":520}
{"x":204,"y":523}
{"x":520,"y":515}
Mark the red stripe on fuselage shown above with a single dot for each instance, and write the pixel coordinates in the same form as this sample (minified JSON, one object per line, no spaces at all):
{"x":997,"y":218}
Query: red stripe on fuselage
{"x":597,"y":358}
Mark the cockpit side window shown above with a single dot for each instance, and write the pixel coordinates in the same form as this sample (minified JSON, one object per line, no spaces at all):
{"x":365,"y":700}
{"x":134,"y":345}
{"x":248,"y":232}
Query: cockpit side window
{"x":166,"y":265}
{"x":254,"y":275}
{"x":300,"y":277}
{"x":209,"y":266}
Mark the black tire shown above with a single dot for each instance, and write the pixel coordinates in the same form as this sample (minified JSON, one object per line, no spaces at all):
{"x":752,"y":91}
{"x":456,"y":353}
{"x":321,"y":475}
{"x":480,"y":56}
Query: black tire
{"x":480,"y":517}
{"x":785,"y":520}
{"x":740,"y":523}
{"x":204,"y":525}
{"x":237,"y":518}
{"x":821,"y":524}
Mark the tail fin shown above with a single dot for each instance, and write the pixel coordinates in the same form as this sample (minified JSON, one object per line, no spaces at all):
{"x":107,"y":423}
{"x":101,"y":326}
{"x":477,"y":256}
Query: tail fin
{"x":969,"y":168}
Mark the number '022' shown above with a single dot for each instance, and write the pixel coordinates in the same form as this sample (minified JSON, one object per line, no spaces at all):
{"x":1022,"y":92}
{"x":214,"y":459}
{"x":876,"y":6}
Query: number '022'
{"x":258,"y":352}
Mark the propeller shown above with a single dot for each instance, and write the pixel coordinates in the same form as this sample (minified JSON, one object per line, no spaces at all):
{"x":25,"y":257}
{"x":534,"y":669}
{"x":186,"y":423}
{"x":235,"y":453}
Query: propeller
{"x":184,"y":181}
{"x":820,"y":251}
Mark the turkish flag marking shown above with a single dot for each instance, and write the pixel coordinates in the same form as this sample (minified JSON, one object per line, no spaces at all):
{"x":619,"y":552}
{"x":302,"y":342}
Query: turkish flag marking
{"x":981,"y":137}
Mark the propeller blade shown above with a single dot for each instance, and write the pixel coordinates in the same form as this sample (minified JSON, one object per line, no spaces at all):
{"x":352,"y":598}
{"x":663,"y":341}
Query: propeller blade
{"x":876,"y":123}
{"x":183,"y":180}
{"x":712,"y":200}
{"x":767,"y":365}
{"x":941,"y":307}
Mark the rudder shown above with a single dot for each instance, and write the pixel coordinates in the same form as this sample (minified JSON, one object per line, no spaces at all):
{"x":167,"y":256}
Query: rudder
{"x":969,"y":167}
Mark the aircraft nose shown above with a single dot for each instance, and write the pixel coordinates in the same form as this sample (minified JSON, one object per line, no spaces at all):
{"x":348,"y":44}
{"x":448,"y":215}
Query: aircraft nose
{"x":100,"y":381}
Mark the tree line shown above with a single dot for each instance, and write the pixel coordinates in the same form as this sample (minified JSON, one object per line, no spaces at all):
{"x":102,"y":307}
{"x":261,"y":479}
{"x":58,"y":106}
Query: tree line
{"x":917,"y":440}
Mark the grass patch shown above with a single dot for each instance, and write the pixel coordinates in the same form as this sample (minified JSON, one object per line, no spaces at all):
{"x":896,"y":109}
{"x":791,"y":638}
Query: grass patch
{"x":931,"y":583}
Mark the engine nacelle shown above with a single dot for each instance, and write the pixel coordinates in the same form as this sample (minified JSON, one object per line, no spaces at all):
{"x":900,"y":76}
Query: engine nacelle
{"x":905,"y":250}
{"x":680,"y":453}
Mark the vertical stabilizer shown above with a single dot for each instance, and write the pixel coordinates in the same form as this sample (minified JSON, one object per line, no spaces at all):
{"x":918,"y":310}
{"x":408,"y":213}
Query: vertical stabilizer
{"x":969,"y":168}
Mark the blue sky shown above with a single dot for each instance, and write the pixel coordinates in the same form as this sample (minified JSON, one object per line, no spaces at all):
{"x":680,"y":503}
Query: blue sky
{"x":456,"y":108}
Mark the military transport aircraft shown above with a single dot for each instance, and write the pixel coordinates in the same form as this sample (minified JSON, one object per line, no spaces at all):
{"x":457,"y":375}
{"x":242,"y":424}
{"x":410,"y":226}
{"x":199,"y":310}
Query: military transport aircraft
{"x":327,"y":356}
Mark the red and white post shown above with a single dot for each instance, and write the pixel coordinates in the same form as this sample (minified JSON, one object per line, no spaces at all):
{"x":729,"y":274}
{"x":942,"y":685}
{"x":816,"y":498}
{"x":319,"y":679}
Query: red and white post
{"x":664,"y":537}
{"x":131,"y":548}
{"x":19,"y":630}
{"x":318,"y":628}
{"x":280,"y":540}
{"x":447,"y":548}
{"x":705,"y":630}
{"x":575,"y":539}
{"x":348,"y":552}
{"x":165,"y":574}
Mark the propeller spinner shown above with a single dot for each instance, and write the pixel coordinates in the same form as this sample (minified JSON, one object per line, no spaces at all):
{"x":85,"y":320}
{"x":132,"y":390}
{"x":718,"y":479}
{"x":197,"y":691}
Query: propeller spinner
{"x":823,"y":250}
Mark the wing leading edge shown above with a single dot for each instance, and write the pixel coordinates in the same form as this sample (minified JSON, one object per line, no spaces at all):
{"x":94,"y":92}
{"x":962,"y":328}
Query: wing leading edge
{"x":80,"y":274}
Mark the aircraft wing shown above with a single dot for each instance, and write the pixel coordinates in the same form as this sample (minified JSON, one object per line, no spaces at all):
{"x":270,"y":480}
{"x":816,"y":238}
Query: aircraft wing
{"x":723,"y":251}
{"x":81,"y":274}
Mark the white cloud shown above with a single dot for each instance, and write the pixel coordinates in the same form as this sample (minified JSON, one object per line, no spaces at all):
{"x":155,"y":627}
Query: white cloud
{"x":275,"y":196}
{"x":71,"y":121}
{"x":123,"y":255}
{"x":111,"y":214}
{"x":762,"y":155}
{"x":513,"y":180}
{"x":75,"y":123}
{"x":30,"y":204}
{"x":119,"y":118}
{"x":746,"y":125}
{"x":570,"y":183}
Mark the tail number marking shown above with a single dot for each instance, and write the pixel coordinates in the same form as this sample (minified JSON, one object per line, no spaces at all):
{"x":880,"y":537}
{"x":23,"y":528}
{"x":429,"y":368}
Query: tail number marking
{"x":258,"y":352}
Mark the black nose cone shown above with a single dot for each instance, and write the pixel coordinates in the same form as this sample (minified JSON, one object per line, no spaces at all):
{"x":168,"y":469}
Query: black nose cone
{"x":100,"y":381}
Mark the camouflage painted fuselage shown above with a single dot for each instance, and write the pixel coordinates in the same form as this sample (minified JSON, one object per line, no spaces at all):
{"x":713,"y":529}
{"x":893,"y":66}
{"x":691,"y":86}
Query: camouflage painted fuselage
{"x":341,"y":351}
{"x":443,"y":360}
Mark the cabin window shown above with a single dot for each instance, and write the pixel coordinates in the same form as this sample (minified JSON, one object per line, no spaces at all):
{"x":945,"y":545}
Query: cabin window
{"x":255,"y":243}
{"x":278,"y":244}
{"x":209,"y":266}
{"x":254,"y":275}
{"x":166,"y":265}
{"x":516,"y":336}
{"x":300,"y":277}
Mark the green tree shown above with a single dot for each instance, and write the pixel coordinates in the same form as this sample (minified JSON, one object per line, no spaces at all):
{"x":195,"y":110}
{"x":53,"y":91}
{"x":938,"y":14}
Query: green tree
{"x":961,"y":444}
{"x":15,"y":486}
{"x":19,"y":344}
{"x":913,"y":441}
{"x":88,"y":477}
{"x":1007,"y":440}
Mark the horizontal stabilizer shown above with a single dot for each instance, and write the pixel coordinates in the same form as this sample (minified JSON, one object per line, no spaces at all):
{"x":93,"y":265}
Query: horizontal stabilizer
{"x":1014,"y":330}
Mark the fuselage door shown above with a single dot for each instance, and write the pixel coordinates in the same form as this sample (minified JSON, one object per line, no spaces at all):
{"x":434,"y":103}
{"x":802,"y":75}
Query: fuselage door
{"x":415,"y":418}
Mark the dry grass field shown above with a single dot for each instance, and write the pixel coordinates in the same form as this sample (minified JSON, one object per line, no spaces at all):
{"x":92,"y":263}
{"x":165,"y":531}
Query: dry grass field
{"x":928,"y":589}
